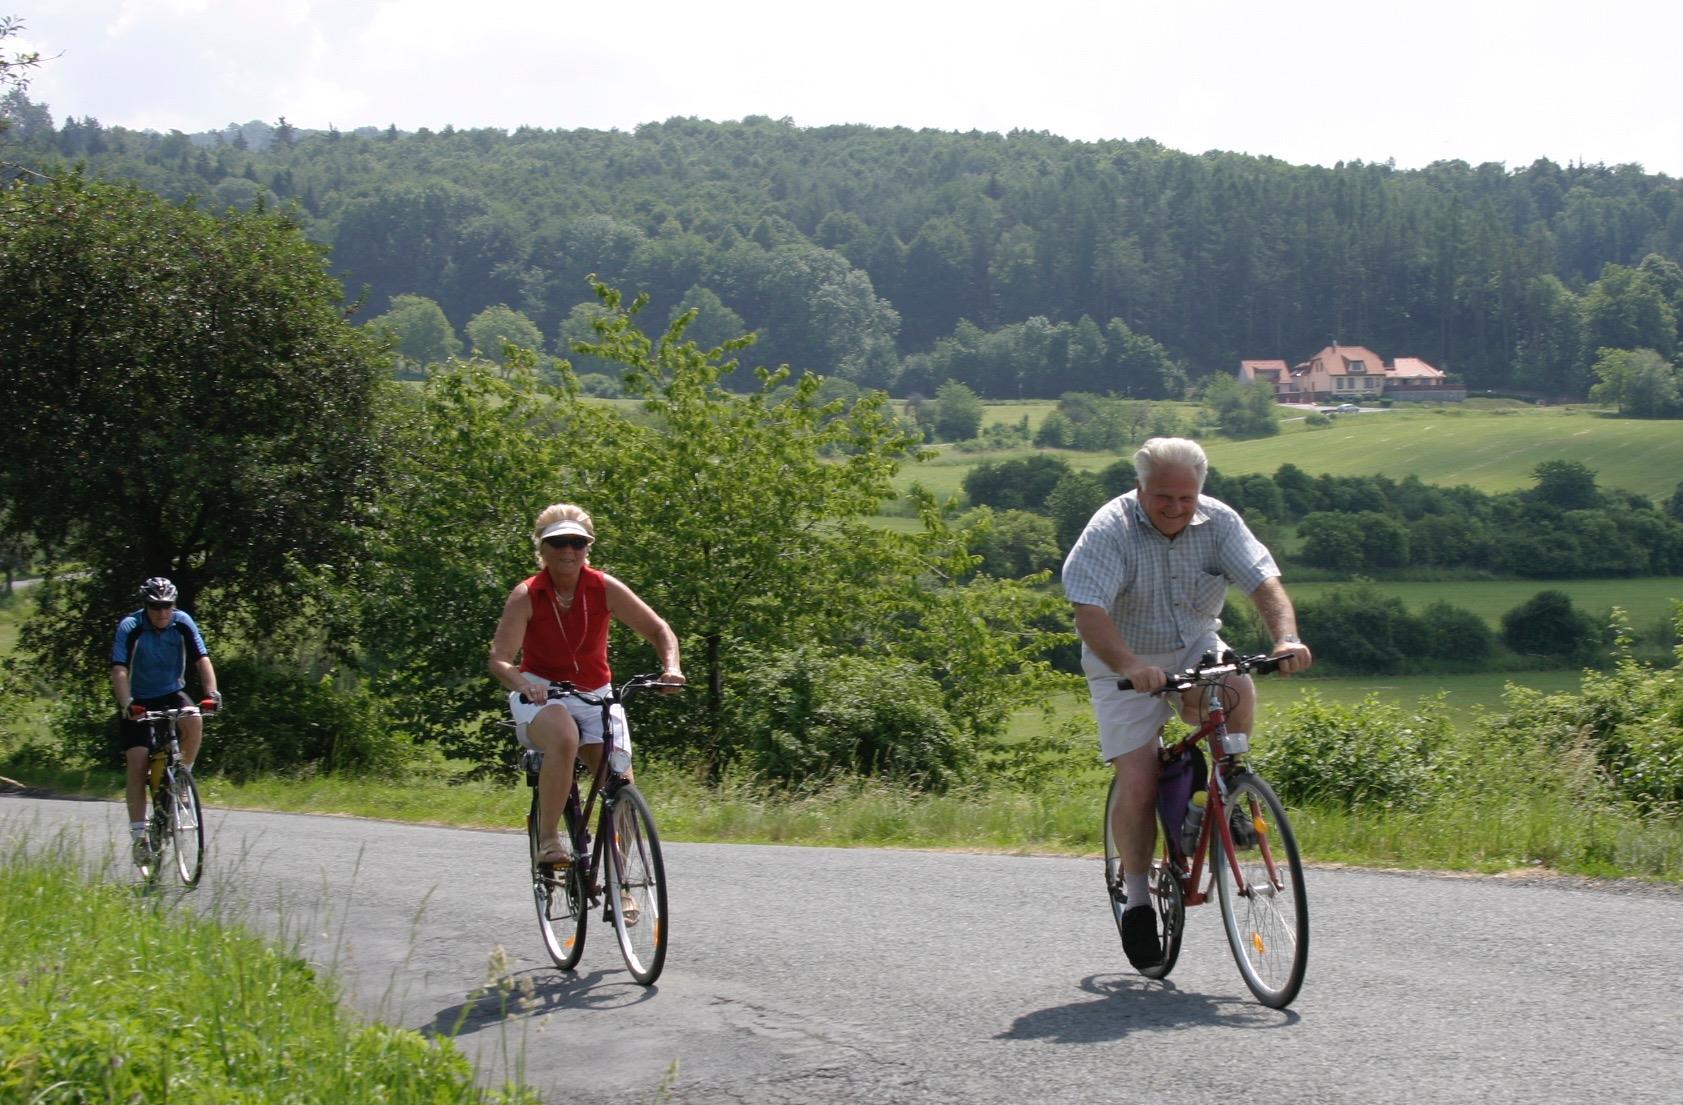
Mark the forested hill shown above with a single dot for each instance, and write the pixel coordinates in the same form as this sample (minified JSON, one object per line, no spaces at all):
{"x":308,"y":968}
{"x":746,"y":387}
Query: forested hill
{"x":889,"y":256}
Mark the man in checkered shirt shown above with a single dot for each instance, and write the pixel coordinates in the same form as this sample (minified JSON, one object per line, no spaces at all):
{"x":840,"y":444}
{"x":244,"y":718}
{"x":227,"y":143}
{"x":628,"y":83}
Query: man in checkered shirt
{"x":1147,"y":578}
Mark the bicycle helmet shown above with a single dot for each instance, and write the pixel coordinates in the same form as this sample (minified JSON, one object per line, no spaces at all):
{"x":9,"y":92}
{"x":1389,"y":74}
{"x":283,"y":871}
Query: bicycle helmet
{"x":157,"y":589}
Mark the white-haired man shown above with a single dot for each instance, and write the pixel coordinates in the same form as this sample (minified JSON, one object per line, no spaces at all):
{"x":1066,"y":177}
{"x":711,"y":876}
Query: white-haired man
{"x":1147,"y":579}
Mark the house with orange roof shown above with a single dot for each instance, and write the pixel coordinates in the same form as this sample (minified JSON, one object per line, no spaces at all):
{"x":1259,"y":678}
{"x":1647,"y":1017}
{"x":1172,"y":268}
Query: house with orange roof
{"x":1352,"y":374}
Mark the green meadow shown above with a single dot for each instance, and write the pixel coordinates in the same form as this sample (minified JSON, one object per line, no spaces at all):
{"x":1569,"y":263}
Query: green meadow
{"x":1492,"y":450}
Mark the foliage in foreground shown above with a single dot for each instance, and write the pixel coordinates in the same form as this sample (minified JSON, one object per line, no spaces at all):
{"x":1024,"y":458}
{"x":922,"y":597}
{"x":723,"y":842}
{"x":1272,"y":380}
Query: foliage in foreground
{"x":1591,"y":782}
{"x":108,"y":997}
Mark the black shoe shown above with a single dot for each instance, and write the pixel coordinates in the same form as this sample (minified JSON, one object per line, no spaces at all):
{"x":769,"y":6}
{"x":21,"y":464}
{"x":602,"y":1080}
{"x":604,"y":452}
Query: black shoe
{"x":1243,"y":828}
{"x":1139,"y":937}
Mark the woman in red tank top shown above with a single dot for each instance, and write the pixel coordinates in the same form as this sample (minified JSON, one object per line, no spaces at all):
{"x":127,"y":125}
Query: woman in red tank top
{"x":554,"y":629}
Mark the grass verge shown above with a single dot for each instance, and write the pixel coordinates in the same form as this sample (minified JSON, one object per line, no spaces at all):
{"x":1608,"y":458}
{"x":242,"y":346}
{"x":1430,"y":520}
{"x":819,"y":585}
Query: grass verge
{"x":106,"y":995}
{"x":1531,"y":832}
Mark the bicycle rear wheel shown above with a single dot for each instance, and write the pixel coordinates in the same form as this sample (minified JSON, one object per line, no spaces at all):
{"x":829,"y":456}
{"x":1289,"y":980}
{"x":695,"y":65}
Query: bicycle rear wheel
{"x":558,"y":893}
{"x":637,"y":885}
{"x":187,"y":827}
{"x":1266,"y":912}
{"x":1167,"y":900}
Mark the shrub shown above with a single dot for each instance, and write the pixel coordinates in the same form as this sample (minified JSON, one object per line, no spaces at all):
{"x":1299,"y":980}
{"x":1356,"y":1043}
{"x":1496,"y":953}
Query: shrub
{"x":808,"y":715}
{"x":1456,"y":636}
{"x":1629,"y":722}
{"x":1359,"y":629}
{"x":282,"y":717}
{"x":1374,"y":755}
{"x":1549,"y":625}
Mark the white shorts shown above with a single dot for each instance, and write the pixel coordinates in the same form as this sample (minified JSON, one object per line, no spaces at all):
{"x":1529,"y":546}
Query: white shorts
{"x":1129,"y":719}
{"x":588,"y":716}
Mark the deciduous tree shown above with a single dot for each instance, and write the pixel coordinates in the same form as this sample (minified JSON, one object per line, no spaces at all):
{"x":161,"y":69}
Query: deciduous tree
{"x":188,"y":400}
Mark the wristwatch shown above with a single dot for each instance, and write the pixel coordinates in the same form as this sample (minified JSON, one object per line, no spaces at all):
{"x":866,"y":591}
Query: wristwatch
{"x":1289,"y":639}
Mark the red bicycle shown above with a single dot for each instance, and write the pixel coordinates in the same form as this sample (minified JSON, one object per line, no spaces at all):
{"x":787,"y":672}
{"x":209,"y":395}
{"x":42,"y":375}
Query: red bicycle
{"x":1253,"y":857}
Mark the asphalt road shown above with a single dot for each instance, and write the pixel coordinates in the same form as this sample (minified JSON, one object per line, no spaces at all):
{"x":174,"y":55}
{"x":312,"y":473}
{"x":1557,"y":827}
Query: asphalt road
{"x":824,"y":975}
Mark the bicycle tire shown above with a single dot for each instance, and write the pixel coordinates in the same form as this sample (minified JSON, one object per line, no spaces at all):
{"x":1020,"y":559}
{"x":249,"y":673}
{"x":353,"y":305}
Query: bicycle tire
{"x":563,"y":912}
{"x":1267,"y":921}
{"x":637,"y":875}
{"x":1168,"y":901}
{"x":187,"y":827}
{"x":158,"y":836}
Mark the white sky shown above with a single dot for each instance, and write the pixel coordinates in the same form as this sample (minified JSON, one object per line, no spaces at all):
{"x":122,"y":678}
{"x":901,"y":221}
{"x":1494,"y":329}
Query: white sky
{"x":1307,"y":81}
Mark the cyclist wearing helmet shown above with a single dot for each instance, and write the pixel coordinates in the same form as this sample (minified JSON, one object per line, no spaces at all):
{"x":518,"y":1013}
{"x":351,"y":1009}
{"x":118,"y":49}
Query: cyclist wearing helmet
{"x":149,"y":669}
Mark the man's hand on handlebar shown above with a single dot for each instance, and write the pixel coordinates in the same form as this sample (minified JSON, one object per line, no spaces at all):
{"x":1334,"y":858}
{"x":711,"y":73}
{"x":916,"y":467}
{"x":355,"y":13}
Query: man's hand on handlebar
{"x":1145,"y":678}
{"x":1293,"y":656}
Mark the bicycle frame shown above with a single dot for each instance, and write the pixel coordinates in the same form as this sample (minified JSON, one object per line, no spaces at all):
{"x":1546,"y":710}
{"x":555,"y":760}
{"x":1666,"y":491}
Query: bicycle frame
{"x":1214,"y":730}
{"x":621,"y":870}
{"x":164,"y":766}
{"x":604,"y":781}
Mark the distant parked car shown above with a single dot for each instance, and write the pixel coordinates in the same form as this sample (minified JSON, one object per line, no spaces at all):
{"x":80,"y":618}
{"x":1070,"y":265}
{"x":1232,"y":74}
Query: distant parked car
{"x":1347,"y":408}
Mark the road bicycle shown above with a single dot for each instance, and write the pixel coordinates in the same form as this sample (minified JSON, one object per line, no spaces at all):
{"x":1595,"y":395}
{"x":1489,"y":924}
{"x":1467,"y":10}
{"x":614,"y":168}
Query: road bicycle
{"x":1252,"y":852}
{"x":177,"y":820}
{"x":620,"y":868}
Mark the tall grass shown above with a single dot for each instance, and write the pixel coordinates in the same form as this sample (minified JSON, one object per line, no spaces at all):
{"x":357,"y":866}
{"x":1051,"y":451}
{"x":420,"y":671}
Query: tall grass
{"x":109,"y":996}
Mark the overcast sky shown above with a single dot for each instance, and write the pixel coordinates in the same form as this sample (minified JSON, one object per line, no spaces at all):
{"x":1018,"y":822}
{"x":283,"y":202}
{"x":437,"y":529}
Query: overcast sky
{"x":1307,"y":81}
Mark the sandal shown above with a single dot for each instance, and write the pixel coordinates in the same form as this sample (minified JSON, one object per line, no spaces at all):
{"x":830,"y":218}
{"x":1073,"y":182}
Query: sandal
{"x":555,"y":855}
{"x":628,"y":909}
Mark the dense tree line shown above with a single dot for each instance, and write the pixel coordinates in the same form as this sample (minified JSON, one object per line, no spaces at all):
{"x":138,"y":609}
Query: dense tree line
{"x":1564,"y":526}
{"x":1019,"y":264}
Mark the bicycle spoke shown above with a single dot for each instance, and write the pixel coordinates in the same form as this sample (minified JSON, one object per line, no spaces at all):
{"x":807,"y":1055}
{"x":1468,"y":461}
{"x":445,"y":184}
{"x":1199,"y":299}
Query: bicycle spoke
{"x":186,"y":825}
{"x":562,"y":912}
{"x":637,"y":886}
{"x":1264,"y":907}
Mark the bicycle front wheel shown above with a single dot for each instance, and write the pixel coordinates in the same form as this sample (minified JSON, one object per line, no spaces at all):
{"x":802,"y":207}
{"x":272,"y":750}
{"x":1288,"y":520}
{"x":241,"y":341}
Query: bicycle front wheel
{"x":637,"y":885}
{"x":558,"y":893}
{"x":1167,"y":900}
{"x":1264,"y":906}
{"x":187,"y":827}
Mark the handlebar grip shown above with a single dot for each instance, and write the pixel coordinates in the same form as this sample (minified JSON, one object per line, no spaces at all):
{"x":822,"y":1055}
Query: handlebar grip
{"x":207,"y":706}
{"x":1268,"y":666}
{"x":1124,"y":684}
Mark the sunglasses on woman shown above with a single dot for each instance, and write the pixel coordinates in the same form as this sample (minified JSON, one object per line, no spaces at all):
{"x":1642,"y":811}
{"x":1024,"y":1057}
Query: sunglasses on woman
{"x":567,"y":542}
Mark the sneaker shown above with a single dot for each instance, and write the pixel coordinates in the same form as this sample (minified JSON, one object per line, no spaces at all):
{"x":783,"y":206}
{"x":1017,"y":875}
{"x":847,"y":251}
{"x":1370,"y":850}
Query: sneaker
{"x":143,"y":853}
{"x":1139,"y":937}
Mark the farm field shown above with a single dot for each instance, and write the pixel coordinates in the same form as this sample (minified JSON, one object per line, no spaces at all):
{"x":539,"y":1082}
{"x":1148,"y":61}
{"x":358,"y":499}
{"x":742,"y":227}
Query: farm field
{"x":1491,"y":450}
{"x":1465,"y":694}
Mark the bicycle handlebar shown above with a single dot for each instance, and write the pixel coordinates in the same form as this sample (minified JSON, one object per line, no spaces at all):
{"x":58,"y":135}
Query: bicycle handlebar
{"x":205,"y":708}
{"x":626,"y":690}
{"x":1210,"y":671}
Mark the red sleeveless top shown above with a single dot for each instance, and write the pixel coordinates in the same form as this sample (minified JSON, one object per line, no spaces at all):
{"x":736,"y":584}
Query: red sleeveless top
{"x":571,"y":645}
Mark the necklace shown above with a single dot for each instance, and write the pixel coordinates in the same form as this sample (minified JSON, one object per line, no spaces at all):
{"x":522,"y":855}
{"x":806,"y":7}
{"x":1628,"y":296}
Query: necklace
{"x":584,"y":612}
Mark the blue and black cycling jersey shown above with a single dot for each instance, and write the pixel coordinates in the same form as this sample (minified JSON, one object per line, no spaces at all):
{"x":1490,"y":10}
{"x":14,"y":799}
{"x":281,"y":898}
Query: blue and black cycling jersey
{"x":157,"y":659}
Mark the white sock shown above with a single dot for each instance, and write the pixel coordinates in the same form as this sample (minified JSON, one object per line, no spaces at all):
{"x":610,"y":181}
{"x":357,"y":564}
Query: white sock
{"x":137,"y":828}
{"x":1138,"y":889}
